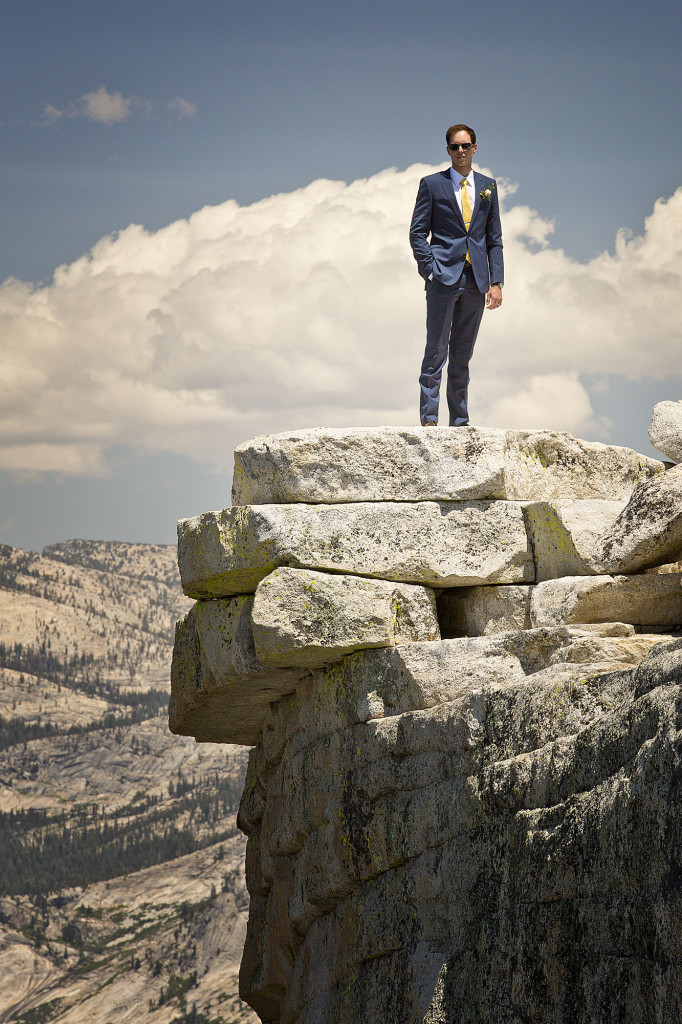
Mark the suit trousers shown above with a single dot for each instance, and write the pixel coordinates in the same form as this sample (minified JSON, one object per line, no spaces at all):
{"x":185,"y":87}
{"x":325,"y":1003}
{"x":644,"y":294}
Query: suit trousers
{"x":453,"y":317}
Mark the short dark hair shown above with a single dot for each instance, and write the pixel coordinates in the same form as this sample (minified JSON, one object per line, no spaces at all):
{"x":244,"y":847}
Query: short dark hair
{"x":454,"y":128}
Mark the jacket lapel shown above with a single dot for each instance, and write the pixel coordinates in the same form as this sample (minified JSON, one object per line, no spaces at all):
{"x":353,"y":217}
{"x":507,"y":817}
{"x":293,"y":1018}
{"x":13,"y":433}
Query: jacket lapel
{"x":446,"y":182}
{"x":478,"y":185}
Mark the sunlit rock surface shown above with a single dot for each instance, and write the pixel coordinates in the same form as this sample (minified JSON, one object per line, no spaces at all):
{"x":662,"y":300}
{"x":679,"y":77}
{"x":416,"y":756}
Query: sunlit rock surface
{"x":643,"y":599}
{"x":308,"y":619}
{"x":481,"y":825}
{"x":648,"y":532}
{"x":665,"y":432}
{"x":444,"y":544}
{"x":411,"y":464}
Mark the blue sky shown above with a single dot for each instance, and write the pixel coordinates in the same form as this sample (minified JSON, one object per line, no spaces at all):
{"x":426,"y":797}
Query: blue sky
{"x":120,"y":112}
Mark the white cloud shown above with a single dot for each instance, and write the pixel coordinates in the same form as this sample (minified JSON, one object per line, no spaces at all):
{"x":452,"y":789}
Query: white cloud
{"x":99,"y":105}
{"x":106,"y":107}
{"x":305,"y":309}
{"x":181,"y":108}
{"x":559,"y":399}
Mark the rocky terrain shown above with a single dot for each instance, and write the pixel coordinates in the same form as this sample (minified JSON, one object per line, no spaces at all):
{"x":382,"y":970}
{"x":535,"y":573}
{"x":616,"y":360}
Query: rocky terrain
{"x":458,"y":654}
{"x":121,"y":883}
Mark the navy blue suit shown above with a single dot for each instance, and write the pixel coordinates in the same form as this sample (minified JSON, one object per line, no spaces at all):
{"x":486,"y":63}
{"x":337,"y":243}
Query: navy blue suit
{"x":455,"y":297}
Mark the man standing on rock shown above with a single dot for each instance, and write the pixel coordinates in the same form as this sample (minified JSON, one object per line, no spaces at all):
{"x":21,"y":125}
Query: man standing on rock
{"x":456,"y":238}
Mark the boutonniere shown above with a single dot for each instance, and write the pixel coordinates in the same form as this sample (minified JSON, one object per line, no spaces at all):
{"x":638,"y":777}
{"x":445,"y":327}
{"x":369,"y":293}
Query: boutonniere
{"x":486,"y":193}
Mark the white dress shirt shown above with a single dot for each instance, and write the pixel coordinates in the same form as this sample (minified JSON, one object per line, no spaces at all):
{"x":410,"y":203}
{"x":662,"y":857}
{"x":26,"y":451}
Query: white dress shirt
{"x":456,"y":178}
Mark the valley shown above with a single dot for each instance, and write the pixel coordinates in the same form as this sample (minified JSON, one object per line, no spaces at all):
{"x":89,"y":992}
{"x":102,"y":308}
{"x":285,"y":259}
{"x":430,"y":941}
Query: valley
{"x":121,"y":884}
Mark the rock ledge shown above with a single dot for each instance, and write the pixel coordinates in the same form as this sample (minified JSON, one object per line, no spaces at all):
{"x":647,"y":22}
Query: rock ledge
{"x":457,"y":655}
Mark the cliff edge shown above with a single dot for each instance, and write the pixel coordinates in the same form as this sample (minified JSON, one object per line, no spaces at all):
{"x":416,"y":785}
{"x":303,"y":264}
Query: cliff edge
{"x":457,"y":655}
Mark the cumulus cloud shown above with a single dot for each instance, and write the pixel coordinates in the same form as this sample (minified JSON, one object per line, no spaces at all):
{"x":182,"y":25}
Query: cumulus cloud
{"x":306,"y":309}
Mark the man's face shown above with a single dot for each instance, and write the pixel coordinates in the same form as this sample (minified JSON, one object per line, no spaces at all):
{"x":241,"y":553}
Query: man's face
{"x":461,"y":158}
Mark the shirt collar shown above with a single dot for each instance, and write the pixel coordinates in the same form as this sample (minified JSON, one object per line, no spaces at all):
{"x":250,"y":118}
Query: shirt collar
{"x":457,"y":177}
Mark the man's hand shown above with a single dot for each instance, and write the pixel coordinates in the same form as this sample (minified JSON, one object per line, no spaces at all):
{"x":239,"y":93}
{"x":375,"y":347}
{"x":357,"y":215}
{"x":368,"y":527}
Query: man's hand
{"x":494,"y":297}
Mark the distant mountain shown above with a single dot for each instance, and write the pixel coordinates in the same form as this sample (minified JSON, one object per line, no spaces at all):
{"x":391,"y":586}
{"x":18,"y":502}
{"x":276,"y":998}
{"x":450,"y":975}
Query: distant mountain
{"x":121,"y":886}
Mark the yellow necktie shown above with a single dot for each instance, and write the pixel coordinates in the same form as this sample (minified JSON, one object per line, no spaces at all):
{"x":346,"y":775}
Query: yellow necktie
{"x":466,"y":210}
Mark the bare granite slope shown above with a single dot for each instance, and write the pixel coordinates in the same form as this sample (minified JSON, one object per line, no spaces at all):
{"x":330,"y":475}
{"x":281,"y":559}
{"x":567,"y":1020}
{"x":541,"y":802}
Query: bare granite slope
{"x":75,"y":606}
{"x":121,"y":886}
{"x":135,"y":948}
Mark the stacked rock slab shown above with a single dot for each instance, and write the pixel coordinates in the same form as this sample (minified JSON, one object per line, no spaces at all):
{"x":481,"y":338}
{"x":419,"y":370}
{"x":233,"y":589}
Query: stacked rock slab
{"x":465,"y":711}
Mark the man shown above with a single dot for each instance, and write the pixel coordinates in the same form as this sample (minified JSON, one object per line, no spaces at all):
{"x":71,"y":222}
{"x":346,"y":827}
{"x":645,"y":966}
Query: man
{"x":456,"y":239}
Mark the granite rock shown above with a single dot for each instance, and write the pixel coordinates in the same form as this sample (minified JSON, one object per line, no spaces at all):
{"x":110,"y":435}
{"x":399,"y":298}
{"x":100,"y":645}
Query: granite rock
{"x":434,"y":544}
{"x":219,"y":689}
{"x":648,"y":532}
{"x":306,"y":618}
{"x":665,"y":432}
{"x":412,"y":464}
{"x":563,"y":535}
{"x":654,"y":600}
{"x":478,"y":828}
{"x":419,"y":676}
{"x":508,"y":855}
{"x":221,"y":692}
{"x":604,"y":652}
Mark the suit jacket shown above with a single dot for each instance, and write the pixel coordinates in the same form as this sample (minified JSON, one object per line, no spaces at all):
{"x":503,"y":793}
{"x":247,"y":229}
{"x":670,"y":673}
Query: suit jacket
{"x":439,"y":239}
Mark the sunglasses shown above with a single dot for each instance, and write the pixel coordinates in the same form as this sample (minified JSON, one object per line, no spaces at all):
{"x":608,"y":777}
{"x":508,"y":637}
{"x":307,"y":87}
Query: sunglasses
{"x":460,"y":145}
